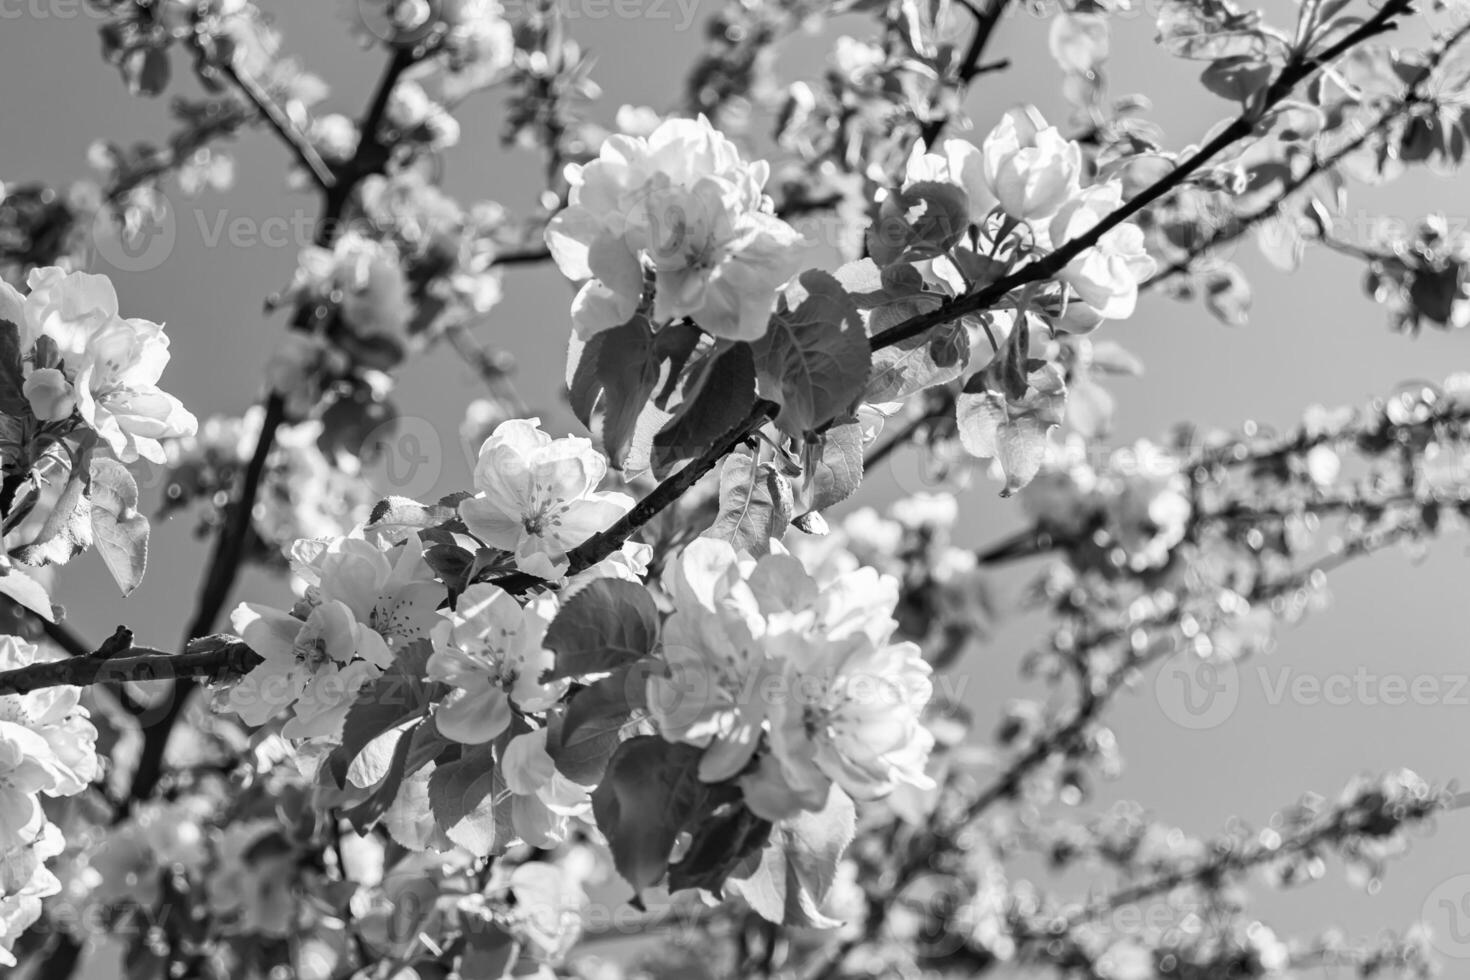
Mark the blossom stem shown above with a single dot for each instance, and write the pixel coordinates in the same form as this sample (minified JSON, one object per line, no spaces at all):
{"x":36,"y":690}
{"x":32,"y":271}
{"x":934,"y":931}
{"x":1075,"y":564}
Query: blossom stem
{"x":603,"y":544}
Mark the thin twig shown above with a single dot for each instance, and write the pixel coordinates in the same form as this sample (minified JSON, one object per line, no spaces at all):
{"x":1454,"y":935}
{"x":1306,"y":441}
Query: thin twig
{"x":290,"y":134}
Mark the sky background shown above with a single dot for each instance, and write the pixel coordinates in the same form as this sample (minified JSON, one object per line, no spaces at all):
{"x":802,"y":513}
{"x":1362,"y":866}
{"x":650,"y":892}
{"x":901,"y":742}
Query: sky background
{"x":1314,"y":337}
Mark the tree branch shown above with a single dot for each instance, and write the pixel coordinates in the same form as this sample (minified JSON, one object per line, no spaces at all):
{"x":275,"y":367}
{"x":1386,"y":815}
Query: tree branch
{"x":225,"y":561}
{"x":119,"y":660}
{"x":292,"y":136}
{"x":969,"y":64}
{"x":606,"y":542}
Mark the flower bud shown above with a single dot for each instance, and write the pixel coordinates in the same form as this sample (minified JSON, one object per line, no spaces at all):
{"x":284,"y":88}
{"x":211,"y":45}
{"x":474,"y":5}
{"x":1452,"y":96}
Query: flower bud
{"x":1030,"y":166}
{"x":50,"y":394}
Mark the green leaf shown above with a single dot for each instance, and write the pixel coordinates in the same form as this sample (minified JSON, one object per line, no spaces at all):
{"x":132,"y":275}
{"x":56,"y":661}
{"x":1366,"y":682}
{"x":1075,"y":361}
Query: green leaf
{"x":118,"y":529}
{"x":471,"y":802}
{"x":1207,"y":30}
{"x":399,"y":694}
{"x":67,"y":529}
{"x":870,"y":286}
{"x":718,"y":846}
{"x":1009,"y":430}
{"x":607,"y":624}
{"x":627,"y":371}
{"x":582,"y":739}
{"x":755,"y":504}
{"x":489,"y":951}
{"x":417,"y":748}
{"x":12,"y":373}
{"x":1237,"y":77}
{"x":799,"y":864}
{"x":27,"y":592}
{"x":717,"y":396}
{"x":916,"y":363}
{"x":650,"y":794}
{"x":609,"y":701}
{"x":920,"y":222}
{"x":833,"y":465}
{"x":813,"y":359}
{"x":1228,"y":295}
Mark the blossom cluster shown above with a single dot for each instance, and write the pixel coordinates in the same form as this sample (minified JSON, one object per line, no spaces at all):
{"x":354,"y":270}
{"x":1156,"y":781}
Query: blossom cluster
{"x":361,"y":604}
{"x":682,"y":207}
{"x":47,"y":749}
{"x":303,"y":494}
{"x":1030,"y":173}
{"x":789,"y":685}
{"x":1135,"y":509}
{"x":86,"y":360}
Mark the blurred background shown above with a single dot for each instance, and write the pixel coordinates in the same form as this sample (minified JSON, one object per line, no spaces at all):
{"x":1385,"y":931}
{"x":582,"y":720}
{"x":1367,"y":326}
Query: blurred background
{"x":1314,"y":337}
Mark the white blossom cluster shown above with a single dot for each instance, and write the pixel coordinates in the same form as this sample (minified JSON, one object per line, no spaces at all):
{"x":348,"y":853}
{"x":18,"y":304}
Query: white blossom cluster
{"x":47,"y":748}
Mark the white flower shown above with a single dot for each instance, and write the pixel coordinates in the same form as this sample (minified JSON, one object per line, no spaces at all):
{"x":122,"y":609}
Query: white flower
{"x":538,"y":496}
{"x":361,"y":606}
{"x":1107,"y":275}
{"x":480,"y":46}
{"x":856,"y":60}
{"x":51,"y":396}
{"x":1029,"y":166}
{"x":544,"y":802}
{"x":490,"y":650}
{"x":335,"y":136}
{"x":850,"y":715}
{"x":714,"y":648}
{"x":682,"y":202}
{"x":50,"y":724}
{"x":25,"y":880}
{"x":108,"y":364}
{"x":958,"y":162}
{"x":762,"y":656}
{"x":47,"y":747}
{"x":368,"y":276}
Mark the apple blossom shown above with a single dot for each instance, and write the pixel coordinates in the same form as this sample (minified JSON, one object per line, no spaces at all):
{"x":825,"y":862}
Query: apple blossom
{"x":365,"y":278}
{"x":757,"y":650}
{"x":544,"y":801}
{"x":360,"y":606}
{"x":682,"y":203}
{"x":1107,"y":275}
{"x":490,"y":651}
{"x":851,"y":715}
{"x":107,"y":365}
{"x":538,"y":496}
{"x":47,"y":748}
{"x":1030,"y":167}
